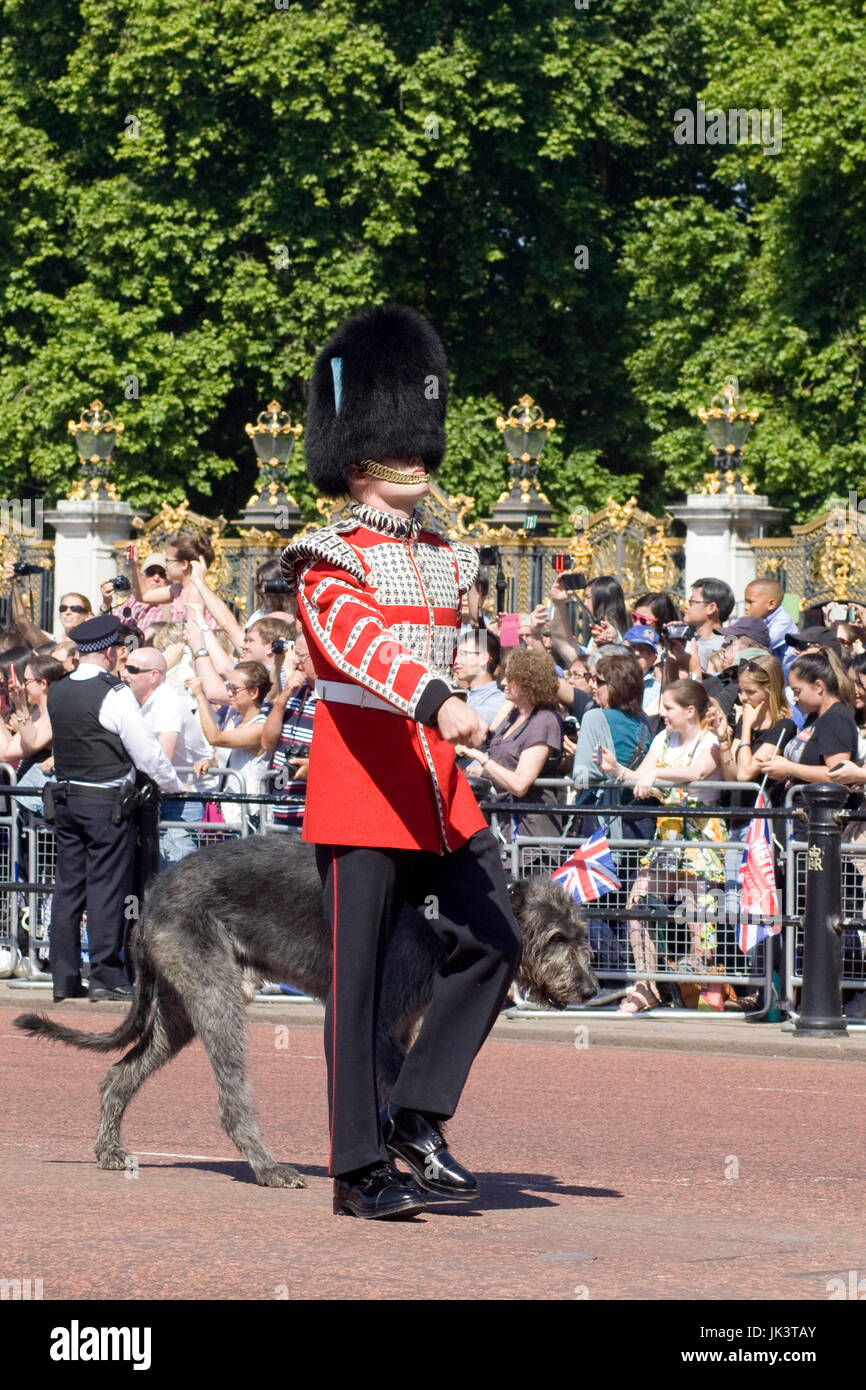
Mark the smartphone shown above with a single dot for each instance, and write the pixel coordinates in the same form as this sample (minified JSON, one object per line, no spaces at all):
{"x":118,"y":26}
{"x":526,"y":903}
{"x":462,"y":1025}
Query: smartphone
{"x":596,"y":755}
{"x":838,"y":613}
{"x":130,"y":551}
{"x":509,"y":630}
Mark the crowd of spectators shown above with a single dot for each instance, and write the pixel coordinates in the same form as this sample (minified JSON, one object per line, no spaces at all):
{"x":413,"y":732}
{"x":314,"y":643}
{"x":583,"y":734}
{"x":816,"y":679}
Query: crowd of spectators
{"x":216,"y":694}
{"x":649,"y":703}
{"x":630,"y":703}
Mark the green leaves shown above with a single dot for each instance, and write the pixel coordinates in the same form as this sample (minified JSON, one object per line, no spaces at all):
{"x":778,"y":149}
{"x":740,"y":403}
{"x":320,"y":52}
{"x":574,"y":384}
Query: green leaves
{"x":193,"y":197}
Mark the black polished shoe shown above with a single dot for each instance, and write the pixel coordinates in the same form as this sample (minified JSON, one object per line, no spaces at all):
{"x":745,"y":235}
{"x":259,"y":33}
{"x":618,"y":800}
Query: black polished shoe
{"x":79,"y":993}
{"x":99,"y":994}
{"x":419,"y":1142}
{"x":380,"y":1194}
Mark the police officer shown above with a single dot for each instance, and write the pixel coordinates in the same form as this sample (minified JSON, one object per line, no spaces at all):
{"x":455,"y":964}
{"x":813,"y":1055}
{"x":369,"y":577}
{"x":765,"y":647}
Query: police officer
{"x":100,"y":740}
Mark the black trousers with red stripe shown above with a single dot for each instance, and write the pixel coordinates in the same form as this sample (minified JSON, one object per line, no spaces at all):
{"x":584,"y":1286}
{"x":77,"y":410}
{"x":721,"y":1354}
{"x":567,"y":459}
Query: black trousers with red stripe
{"x":465,"y":899}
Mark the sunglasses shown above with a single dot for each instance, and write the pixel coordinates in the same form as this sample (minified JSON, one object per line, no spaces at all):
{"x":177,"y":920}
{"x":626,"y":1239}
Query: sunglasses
{"x":138,"y":670}
{"x":71,"y":608}
{"x":233,"y":689}
{"x":641,"y":620}
{"x":750,"y":666}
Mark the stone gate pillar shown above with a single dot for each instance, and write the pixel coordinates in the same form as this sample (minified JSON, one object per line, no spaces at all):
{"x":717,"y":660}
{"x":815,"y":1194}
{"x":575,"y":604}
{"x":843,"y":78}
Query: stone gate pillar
{"x":84,"y":554}
{"x":719,"y":527}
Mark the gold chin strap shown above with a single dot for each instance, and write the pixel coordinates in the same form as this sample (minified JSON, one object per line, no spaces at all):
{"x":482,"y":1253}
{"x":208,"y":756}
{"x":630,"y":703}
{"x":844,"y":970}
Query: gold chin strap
{"x":392,"y":475}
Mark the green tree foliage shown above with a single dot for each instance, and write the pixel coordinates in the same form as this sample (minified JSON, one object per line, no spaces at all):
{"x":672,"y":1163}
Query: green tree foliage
{"x":762,"y":273}
{"x":192,"y":197}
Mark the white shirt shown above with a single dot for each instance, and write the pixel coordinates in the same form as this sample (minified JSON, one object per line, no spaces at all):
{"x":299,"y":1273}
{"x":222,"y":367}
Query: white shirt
{"x":248,"y":763}
{"x":120,"y":715}
{"x":164,"y":712}
{"x":670,"y":751}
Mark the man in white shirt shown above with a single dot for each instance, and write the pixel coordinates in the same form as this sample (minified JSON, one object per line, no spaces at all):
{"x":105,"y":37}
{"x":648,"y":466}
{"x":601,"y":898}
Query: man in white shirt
{"x":99,"y":740}
{"x":175,"y":724}
{"x":476,"y":658}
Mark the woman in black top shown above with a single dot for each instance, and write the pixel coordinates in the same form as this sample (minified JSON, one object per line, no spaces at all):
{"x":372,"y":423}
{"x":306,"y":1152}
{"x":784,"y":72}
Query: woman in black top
{"x":828,"y":737}
{"x":764,"y":725}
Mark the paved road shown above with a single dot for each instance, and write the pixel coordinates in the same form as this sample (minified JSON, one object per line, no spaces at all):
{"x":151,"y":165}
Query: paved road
{"x":608,"y":1172}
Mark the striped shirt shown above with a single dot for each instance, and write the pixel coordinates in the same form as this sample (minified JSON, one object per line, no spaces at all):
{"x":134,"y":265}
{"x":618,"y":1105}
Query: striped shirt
{"x":297,"y":733}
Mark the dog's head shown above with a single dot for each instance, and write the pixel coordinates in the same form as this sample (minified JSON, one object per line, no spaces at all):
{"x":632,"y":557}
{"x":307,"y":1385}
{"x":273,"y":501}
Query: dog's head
{"x":555,"y":967}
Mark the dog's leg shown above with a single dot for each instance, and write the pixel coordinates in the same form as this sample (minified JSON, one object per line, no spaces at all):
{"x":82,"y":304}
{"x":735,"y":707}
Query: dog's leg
{"x":169,"y":1030}
{"x":221,"y":1024}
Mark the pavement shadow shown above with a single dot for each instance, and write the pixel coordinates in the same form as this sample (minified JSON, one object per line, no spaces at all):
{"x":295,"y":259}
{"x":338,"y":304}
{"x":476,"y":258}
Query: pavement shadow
{"x":236,"y":1169}
{"x":509,"y":1191}
{"x":499,"y":1191}
{"x":239,"y":1170}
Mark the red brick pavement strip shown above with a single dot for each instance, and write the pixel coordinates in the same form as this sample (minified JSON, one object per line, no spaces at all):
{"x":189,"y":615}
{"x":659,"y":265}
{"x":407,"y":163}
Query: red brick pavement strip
{"x":603,"y":1174}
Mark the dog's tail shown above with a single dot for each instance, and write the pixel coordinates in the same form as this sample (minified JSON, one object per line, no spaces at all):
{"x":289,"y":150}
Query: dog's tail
{"x":129,"y":1031}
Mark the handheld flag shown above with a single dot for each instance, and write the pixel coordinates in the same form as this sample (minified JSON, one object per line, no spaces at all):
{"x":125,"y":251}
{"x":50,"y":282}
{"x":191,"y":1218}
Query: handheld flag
{"x":759,"y":898}
{"x":590,"y":871}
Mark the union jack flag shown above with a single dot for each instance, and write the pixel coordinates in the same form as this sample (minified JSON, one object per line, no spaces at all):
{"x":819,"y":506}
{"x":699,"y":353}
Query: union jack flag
{"x":758,"y":896}
{"x":590,"y":871}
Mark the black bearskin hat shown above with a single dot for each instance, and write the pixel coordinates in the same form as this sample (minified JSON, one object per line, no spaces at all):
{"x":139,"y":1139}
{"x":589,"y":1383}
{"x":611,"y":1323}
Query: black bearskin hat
{"x":378,"y":389}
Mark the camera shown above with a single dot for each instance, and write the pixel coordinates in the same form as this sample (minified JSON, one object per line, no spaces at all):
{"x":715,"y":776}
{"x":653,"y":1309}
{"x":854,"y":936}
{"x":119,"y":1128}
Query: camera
{"x":21,"y":567}
{"x":488,"y":555}
{"x":677,"y":632}
{"x":570,"y":726}
{"x":276,"y":586}
{"x":121,"y":585}
{"x":280,"y":645}
{"x":573,"y":579}
{"x":842,"y":613}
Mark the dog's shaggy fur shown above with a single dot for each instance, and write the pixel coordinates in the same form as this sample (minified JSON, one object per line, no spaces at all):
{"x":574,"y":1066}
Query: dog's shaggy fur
{"x":254,"y":905}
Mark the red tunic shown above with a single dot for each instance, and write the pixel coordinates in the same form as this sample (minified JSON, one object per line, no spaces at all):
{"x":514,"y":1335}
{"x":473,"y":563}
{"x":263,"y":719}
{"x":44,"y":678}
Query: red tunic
{"x":379,"y":604}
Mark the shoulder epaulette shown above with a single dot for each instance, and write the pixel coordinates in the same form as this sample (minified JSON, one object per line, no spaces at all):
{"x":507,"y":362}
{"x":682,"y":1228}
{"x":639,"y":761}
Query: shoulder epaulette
{"x":326,"y":544}
{"x":467,"y":564}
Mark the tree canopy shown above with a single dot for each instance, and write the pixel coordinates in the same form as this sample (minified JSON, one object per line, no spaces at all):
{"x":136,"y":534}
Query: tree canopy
{"x":194,"y":196}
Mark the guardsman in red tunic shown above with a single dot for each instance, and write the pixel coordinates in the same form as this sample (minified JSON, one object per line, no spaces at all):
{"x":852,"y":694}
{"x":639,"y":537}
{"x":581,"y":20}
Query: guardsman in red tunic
{"x":393,"y":819}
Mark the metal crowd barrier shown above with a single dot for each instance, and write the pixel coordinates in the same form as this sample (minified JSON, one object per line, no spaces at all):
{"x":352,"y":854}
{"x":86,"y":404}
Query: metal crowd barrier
{"x":695,"y":932}
{"x":851,"y":923}
{"x":9,"y":901}
{"x":500,"y":821}
{"x":852,"y":920}
{"x":28,"y":858}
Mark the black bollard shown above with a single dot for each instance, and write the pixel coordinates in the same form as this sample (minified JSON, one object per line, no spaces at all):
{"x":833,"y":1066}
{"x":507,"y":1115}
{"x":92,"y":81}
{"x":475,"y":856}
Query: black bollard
{"x":147,"y":835}
{"x":821,"y":1002}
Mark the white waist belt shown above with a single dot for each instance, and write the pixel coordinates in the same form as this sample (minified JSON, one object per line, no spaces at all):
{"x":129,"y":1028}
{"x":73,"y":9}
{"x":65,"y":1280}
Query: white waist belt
{"x":343,"y":693}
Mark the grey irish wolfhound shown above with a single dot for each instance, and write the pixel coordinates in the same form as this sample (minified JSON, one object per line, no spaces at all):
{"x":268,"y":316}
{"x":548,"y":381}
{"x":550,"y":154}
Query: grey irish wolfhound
{"x":253,"y":906}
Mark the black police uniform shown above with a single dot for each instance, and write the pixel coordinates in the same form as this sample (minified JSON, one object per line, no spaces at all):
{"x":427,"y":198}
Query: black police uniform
{"x":95,"y":844}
